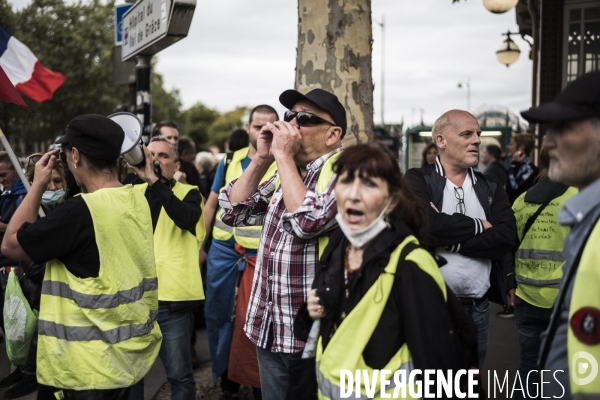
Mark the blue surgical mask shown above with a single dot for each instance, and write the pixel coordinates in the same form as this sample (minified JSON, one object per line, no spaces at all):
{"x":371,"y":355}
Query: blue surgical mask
{"x":52,"y":197}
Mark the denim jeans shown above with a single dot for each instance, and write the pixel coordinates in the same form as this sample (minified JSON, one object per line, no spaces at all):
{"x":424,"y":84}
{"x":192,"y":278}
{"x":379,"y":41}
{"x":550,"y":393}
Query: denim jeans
{"x":481,"y":317}
{"x":531,"y":322}
{"x":274,"y":373}
{"x":175,"y":354}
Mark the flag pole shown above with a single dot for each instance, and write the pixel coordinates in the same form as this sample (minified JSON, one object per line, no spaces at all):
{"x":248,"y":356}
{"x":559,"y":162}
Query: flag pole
{"x":17,"y":165}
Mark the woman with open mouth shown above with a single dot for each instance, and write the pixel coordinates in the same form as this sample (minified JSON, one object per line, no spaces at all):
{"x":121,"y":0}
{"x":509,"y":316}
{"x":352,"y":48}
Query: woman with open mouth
{"x":380,"y":298}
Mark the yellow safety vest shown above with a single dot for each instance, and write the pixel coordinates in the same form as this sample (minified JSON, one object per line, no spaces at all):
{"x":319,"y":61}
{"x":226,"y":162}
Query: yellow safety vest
{"x":246,"y":236}
{"x":345,"y":349}
{"x":102,"y":333}
{"x":586,"y":296}
{"x":176,"y":252}
{"x":539,"y":259}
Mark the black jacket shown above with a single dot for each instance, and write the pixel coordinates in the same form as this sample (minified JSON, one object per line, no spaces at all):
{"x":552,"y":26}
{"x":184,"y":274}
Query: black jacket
{"x":415,"y":312}
{"x":462,"y":234}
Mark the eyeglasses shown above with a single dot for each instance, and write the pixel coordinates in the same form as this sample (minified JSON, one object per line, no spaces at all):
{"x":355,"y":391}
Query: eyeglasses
{"x":305,"y":118}
{"x":34,"y":158}
{"x":460,"y":195}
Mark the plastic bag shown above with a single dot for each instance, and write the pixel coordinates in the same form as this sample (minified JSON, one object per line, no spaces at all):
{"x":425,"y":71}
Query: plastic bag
{"x":20,"y":322}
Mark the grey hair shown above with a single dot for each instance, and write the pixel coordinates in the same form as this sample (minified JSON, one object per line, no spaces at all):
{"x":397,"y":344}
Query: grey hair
{"x":440,"y":125}
{"x":205,"y":159}
{"x":162,"y":139}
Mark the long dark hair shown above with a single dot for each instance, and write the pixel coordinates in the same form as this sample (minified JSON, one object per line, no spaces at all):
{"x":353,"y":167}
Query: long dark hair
{"x":375,"y":160}
{"x":430,"y":145}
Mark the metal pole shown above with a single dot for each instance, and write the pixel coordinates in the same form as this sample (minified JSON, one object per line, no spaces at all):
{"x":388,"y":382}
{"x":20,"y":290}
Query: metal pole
{"x":143,"y":74}
{"x":17,"y":165}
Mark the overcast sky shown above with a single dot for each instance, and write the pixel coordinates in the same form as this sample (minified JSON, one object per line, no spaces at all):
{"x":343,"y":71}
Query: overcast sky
{"x":241,"y":52}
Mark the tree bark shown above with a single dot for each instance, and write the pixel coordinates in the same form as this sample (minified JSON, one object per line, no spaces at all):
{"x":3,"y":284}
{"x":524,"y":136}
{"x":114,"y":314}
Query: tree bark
{"x":334,"y":54}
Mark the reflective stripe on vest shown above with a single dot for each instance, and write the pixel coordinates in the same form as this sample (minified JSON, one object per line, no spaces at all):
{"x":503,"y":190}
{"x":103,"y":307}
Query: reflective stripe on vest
{"x":86,"y":333}
{"x":539,"y":259}
{"x":533,"y":254}
{"x":246,"y":236}
{"x":586,"y":295}
{"x":103,"y":320}
{"x":176,"y":252}
{"x":346,"y":347}
{"x":84,"y":300}
{"x":551,"y":283}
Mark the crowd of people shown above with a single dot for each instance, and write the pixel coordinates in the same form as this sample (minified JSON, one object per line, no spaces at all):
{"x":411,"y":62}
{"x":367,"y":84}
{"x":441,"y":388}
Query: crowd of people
{"x":304,"y":259}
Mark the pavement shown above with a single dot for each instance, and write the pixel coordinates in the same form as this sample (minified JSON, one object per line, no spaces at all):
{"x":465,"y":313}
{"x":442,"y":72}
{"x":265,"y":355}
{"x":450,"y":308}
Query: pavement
{"x":502,"y":357}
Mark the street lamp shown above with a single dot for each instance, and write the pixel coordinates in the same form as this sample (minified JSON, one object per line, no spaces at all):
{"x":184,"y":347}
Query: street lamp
{"x":499,"y":6}
{"x":467,"y":83}
{"x":508,"y":52}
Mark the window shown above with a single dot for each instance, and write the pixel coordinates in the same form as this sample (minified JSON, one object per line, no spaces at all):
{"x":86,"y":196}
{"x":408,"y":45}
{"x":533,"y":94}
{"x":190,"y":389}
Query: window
{"x":581,"y":40}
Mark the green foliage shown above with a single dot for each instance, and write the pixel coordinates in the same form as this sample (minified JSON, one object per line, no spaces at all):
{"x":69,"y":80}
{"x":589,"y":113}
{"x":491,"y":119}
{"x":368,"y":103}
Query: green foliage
{"x":221,"y":128}
{"x":166,"y":105}
{"x":75,"y":40}
{"x":196,"y":122}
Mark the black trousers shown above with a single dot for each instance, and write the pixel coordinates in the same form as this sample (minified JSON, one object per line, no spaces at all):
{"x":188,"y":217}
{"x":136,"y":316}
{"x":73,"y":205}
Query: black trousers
{"x":48,"y":393}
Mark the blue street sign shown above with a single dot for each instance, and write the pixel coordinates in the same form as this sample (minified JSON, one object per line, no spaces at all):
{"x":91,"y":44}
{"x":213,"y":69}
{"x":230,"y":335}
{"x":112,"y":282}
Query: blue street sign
{"x":120,"y":10}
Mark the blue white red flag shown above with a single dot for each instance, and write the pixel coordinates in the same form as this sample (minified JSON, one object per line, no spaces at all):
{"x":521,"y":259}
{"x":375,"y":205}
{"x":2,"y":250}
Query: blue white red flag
{"x":25,"y":71}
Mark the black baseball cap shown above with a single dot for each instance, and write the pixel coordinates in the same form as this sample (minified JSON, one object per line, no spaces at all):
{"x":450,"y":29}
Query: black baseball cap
{"x":322,"y":98}
{"x":580,"y":99}
{"x":95,"y":135}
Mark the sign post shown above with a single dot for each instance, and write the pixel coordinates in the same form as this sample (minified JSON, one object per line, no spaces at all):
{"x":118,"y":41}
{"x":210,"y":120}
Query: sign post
{"x":150,"y":26}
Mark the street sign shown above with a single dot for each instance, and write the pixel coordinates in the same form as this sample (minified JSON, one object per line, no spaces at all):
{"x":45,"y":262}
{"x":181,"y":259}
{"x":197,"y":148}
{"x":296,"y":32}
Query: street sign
{"x":153,"y":25}
{"x":144,"y":24}
{"x":120,"y":10}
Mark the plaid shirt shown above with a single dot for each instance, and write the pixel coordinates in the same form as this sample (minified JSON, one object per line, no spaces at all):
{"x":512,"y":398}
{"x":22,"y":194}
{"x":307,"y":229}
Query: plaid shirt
{"x":287,"y":256}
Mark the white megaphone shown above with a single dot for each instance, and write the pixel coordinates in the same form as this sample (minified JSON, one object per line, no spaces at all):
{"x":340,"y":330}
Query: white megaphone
{"x":131,"y":149}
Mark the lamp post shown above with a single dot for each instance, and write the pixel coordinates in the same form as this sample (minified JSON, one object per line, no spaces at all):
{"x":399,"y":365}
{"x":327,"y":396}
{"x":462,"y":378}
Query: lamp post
{"x":508,"y":52}
{"x":467,"y":83}
{"x":499,"y":6}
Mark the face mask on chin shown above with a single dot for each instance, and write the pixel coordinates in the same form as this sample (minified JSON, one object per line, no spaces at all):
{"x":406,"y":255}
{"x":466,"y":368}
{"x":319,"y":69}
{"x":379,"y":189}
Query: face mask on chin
{"x":360,"y":238}
{"x":52,"y":197}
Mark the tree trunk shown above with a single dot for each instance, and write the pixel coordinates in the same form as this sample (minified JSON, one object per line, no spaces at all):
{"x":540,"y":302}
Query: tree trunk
{"x":334,"y":54}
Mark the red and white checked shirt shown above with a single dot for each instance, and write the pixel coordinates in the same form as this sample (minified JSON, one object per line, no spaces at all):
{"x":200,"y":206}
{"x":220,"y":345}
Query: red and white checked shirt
{"x":287,"y":255}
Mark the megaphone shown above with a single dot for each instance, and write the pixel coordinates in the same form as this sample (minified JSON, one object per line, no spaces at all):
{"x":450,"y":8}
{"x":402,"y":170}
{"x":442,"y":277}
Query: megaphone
{"x":131,"y":149}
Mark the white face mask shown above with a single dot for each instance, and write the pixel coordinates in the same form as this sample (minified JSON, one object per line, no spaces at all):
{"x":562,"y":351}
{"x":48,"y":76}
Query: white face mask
{"x":365,"y":235}
{"x":52,"y":197}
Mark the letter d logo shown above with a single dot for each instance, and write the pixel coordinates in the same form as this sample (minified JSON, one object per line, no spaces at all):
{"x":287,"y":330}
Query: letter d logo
{"x":580,"y":368}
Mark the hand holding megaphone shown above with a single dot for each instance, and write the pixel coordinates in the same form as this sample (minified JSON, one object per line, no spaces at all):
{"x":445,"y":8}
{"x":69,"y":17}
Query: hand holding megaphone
{"x":149,"y":172}
{"x":133,"y":151}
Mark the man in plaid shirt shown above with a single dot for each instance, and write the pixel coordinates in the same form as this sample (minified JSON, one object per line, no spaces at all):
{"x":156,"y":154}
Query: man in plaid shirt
{"x":294,"y":214}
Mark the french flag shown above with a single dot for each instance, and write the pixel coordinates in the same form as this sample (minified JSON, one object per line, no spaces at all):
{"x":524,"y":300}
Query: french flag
{"x":25,"y":71}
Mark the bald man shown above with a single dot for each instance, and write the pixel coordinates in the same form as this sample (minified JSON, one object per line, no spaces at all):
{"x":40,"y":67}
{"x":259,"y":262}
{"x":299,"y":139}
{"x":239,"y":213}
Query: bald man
{"x":471,"y":219}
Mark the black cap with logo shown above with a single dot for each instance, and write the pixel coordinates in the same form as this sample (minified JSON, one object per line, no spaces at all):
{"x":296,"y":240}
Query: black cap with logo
{"x":325,"y":100}
{"x":95,"y":135}
{"x":580,"y":99}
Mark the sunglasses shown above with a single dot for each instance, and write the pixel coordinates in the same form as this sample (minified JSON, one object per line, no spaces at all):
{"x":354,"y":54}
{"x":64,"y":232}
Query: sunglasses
{"x":34,"y":158}
{"x":62,"y":156}
{"x":304,"y":118}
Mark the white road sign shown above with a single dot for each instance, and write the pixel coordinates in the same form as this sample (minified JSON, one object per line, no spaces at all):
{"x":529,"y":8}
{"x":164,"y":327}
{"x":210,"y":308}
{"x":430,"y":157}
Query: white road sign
{"x":144,"y":24}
